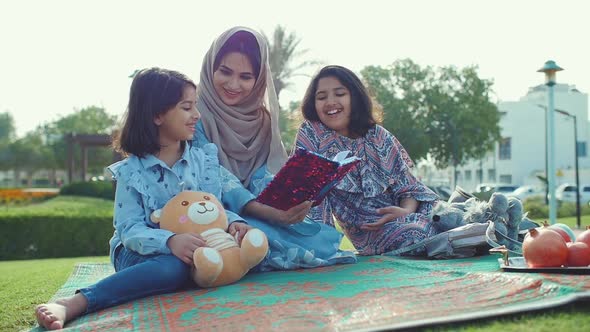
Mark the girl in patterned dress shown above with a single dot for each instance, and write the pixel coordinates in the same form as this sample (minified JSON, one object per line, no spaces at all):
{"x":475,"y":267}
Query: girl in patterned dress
{"x":240,"y":109}
{"x":160,"y":122}
{"x":380,"y":205}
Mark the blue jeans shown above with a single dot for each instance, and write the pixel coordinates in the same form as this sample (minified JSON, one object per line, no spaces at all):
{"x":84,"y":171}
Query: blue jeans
{"x":137,"y":276}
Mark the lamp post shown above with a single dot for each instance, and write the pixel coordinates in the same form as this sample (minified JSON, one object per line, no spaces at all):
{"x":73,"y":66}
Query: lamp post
{"x":550,"y":68}
{"x":578,"y":223}
{"x":546,"y":159}
{"x":546,"y":176}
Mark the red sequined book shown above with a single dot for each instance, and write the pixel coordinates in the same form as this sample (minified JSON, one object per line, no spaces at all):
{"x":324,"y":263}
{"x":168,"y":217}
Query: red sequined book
{"x":306,"y":176}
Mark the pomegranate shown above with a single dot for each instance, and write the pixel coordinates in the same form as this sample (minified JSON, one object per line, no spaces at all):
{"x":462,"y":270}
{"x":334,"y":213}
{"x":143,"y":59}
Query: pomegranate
{"x":585,"y":236}
{"x":578,"y":254}
{"x":544,"y":248}
{"x":564,"y":230}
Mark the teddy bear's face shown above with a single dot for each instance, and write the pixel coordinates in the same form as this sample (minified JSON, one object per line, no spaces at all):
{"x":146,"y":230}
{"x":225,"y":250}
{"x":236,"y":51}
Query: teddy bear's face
{"x":191,"y":211}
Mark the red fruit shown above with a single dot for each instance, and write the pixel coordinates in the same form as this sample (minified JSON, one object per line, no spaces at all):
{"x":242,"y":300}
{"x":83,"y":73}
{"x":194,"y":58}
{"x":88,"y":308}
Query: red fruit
{"x":584,"y":236}
{"x":578,"y":254}
{"x":544,"y":248}
{"x":561,"y":232}
{"x":564,"y":230}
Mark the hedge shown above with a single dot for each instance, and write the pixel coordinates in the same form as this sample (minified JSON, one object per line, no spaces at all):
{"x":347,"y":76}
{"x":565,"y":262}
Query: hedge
{"x":31,"y":237}
{"x":98,"y":189}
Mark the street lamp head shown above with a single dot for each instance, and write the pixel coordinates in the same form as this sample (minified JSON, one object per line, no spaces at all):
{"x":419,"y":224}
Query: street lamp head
{"x":550,"y":68}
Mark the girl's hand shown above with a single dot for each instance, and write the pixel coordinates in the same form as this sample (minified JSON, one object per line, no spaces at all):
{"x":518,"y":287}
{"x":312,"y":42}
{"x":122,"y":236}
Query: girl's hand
{"x":389,"y":213}
{"x":240,"y":229}
{"x":295,"y":214}
{"x":184,"y":245}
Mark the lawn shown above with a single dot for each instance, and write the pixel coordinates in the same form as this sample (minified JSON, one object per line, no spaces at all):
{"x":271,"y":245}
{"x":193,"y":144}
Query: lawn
{"x":23,"y":284}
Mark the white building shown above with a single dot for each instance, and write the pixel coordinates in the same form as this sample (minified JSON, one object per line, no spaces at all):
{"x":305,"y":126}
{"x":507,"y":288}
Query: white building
{"x":520,"y":155}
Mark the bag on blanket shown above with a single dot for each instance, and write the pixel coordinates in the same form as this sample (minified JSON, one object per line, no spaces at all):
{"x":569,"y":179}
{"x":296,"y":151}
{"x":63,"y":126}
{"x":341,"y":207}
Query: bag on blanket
{"x":461,"y":242}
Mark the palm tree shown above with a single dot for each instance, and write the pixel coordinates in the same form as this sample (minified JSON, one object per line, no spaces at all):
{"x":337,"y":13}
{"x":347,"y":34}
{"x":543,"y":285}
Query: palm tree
{"x":283,"y":51}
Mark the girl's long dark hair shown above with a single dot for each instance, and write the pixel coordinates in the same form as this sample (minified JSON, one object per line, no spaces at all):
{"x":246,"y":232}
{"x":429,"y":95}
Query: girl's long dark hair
{"x":153,"y":91}
{"x":361,"y":115}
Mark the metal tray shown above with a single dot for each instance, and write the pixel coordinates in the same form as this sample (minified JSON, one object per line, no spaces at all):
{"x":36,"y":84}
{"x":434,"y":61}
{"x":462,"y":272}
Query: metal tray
{"x":518,"y":264}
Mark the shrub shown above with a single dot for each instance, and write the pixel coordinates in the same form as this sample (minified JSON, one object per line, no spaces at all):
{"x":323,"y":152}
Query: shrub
{"x":65,"y":226}
{"x":536,"y":208}
{"x":98,"y":189}
{"x":29,"y":237}
{"x":566,"y":209}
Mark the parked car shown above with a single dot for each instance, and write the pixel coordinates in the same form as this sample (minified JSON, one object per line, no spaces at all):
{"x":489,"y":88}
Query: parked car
{"x":443,"y":192}
{"x":484,"y":191}
{"x":495,"y":187}
{"x":505,"y":188}
{"x":484,"y":187}
{"x":567,"y":193}
{"x":524,"y":192}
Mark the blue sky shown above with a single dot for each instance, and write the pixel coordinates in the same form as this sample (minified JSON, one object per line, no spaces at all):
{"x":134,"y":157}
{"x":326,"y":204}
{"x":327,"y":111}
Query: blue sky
{"x":58,"y":56}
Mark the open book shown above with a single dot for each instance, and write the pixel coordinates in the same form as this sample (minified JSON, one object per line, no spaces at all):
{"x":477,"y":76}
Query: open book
{"x":306,"y":176}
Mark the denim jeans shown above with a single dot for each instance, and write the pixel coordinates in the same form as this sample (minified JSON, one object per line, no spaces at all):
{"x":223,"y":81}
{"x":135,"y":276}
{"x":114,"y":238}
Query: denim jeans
{"x":137,"y":276}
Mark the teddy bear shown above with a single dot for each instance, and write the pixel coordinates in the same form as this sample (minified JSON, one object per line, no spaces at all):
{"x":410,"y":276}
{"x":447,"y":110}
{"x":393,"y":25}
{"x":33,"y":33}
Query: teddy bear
{"x":505,"y":212}
{"x":223,"y":261}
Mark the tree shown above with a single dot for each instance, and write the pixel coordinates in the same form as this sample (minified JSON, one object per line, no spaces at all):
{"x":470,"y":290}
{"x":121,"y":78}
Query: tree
{"x":289,"y":121}
{"x":401,"y":92}
{"x":465,"y":123}
{"x":88,"y":120}
{"x":282,"y":53}
{"x":30,"y":155}
{"x":7,"y":135}
{"x":7,"y":131}
{"x":444,"y":112}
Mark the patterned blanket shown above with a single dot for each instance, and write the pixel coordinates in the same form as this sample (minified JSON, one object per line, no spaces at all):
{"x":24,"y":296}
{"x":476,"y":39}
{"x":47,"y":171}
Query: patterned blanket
{"x":376,"y":293}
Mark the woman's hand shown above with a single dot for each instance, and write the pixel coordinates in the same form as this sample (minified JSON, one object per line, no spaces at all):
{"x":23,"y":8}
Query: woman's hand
{"x":239,"y":229}
{"x":184,"y":245}
{"x":292,"y":216}
{"x":295,"y":214}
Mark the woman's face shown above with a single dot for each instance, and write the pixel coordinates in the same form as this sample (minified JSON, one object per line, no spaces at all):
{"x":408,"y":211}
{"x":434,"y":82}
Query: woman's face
{"x":332,"y":103}
{"x":234,"y":78}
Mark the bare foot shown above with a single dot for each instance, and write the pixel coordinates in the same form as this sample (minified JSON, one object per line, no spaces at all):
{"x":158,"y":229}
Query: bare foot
{"x":53,"y":316}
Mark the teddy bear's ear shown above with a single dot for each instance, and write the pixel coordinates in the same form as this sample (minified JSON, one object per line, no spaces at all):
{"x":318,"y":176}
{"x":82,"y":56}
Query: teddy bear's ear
{"x":156,"y":215}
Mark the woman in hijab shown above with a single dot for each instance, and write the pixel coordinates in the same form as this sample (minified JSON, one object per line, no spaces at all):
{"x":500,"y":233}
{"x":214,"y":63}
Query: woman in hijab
{"x":239,"y":113}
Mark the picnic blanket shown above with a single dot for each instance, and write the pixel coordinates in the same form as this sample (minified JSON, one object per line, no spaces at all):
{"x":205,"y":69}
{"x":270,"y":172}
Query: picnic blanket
{"x":377,"y":293}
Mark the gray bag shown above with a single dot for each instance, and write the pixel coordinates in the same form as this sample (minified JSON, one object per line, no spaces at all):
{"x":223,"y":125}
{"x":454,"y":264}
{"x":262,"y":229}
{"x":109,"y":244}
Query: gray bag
{"x":461,"y":242}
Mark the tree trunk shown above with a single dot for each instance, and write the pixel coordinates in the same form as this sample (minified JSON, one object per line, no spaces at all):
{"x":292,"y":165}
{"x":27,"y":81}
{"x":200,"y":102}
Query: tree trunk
{"x":17,"y":178}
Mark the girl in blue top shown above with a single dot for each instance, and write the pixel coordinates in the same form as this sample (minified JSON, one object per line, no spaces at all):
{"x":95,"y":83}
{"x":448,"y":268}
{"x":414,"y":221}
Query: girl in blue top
{"x":240,"y":112}
{"x":160,"y":119}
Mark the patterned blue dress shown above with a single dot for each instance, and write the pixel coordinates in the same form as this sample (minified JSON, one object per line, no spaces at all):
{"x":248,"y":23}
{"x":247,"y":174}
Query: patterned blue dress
{"x":304,"y":245}
{"x":381,"y":179}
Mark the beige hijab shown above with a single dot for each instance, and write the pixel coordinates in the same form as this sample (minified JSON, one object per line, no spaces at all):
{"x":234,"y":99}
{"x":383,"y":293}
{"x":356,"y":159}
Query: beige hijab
{"x":248,"y":134}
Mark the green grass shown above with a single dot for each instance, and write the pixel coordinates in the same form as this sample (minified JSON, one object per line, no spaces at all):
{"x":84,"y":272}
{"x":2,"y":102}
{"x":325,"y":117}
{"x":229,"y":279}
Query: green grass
{"x":572,"y":222}
{"x":24,"y":284}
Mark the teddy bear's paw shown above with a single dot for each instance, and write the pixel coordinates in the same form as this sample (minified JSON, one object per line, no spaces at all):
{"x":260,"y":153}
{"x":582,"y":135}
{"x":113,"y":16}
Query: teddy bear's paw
{"x":256,"y":237}
{"x":254,"y":247}
{"x":208,"y":265}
